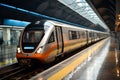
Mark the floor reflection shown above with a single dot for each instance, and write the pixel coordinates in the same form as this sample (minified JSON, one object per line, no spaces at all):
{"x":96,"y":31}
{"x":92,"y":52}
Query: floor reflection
{"x":91,"y":69}
{"x":117,"y":63}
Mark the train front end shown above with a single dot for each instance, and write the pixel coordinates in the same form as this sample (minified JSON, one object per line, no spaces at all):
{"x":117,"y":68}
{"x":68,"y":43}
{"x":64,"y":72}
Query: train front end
{"x":30,"y":48}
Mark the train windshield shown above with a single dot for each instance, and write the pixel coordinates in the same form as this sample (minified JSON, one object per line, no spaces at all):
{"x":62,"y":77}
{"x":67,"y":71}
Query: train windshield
{"x":33,"y":36}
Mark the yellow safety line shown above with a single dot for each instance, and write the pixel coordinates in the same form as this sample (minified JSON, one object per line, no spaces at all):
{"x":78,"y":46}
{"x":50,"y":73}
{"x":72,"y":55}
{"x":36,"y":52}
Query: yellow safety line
{"x":69,"y":68}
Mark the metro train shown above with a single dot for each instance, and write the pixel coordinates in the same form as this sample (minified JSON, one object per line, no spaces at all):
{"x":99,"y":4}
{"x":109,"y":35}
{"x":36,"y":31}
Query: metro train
{"x":46,"y":40}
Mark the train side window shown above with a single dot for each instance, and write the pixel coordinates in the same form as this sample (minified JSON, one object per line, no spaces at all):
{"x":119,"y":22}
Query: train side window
{"x":83,"y":34}
{"x":78,"y":35}
{"x":90,"y":34}
{"x":72,"y":35}
{"x":52,"y":38}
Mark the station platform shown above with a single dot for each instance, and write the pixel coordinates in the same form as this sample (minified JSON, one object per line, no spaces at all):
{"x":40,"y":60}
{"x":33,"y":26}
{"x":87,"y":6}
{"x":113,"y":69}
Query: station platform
{"x":100,"y":61}
{"x":7,"y":54}
{"x":105,"y":65}
{"x":110,"y":69}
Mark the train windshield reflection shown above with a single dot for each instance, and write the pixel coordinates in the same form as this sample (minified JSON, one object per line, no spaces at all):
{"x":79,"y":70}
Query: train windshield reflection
{"x":33,"y":36}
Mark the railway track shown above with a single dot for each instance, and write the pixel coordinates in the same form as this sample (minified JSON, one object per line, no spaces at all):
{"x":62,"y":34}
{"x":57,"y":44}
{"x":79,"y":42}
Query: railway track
{"x":9,"y":70}
{"x":16,"y":72}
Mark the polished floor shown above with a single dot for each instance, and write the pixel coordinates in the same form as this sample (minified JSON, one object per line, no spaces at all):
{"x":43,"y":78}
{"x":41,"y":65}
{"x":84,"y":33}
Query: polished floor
{"x":105,"y":65}
{"x":110,"y":69}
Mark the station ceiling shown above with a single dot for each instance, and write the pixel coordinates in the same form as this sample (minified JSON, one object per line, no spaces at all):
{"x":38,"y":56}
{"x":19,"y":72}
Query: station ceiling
{"x":107,"y":11}
{"x":21,"y":10}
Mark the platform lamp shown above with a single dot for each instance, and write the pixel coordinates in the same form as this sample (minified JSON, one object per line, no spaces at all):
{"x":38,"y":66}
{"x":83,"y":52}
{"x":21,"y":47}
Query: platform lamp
{"x":117,"y":28}
{"x":117,"y":23}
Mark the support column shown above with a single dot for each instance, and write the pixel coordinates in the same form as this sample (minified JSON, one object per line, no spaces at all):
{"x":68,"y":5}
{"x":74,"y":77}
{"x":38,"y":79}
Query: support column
{"x":117,"y":29}
{"x":6,"y":36}
{"x":17,"y":36}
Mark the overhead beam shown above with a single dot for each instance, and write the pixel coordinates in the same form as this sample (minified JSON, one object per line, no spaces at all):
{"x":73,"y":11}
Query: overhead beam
{"x":90,"y":2}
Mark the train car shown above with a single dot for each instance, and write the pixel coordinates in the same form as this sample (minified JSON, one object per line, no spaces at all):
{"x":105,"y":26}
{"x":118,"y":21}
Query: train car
{"x":45,"y":40}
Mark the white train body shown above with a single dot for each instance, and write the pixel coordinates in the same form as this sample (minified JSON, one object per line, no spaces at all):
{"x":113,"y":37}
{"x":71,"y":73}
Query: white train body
{"x":46,"y":40}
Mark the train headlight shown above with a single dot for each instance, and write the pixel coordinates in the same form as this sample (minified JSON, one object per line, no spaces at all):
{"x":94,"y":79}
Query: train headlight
{"x":39,"y":50}
{"x":18,"y":50}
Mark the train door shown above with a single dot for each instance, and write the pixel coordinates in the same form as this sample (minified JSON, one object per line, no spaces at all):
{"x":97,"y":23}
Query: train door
{"x":87,"y":37}
{"x":90,"y":36}
{"x":59,"y":36}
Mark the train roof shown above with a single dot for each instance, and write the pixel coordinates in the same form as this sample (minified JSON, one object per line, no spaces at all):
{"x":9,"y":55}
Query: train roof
{"x":70,"y":26}
{"x":64,"y":25}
